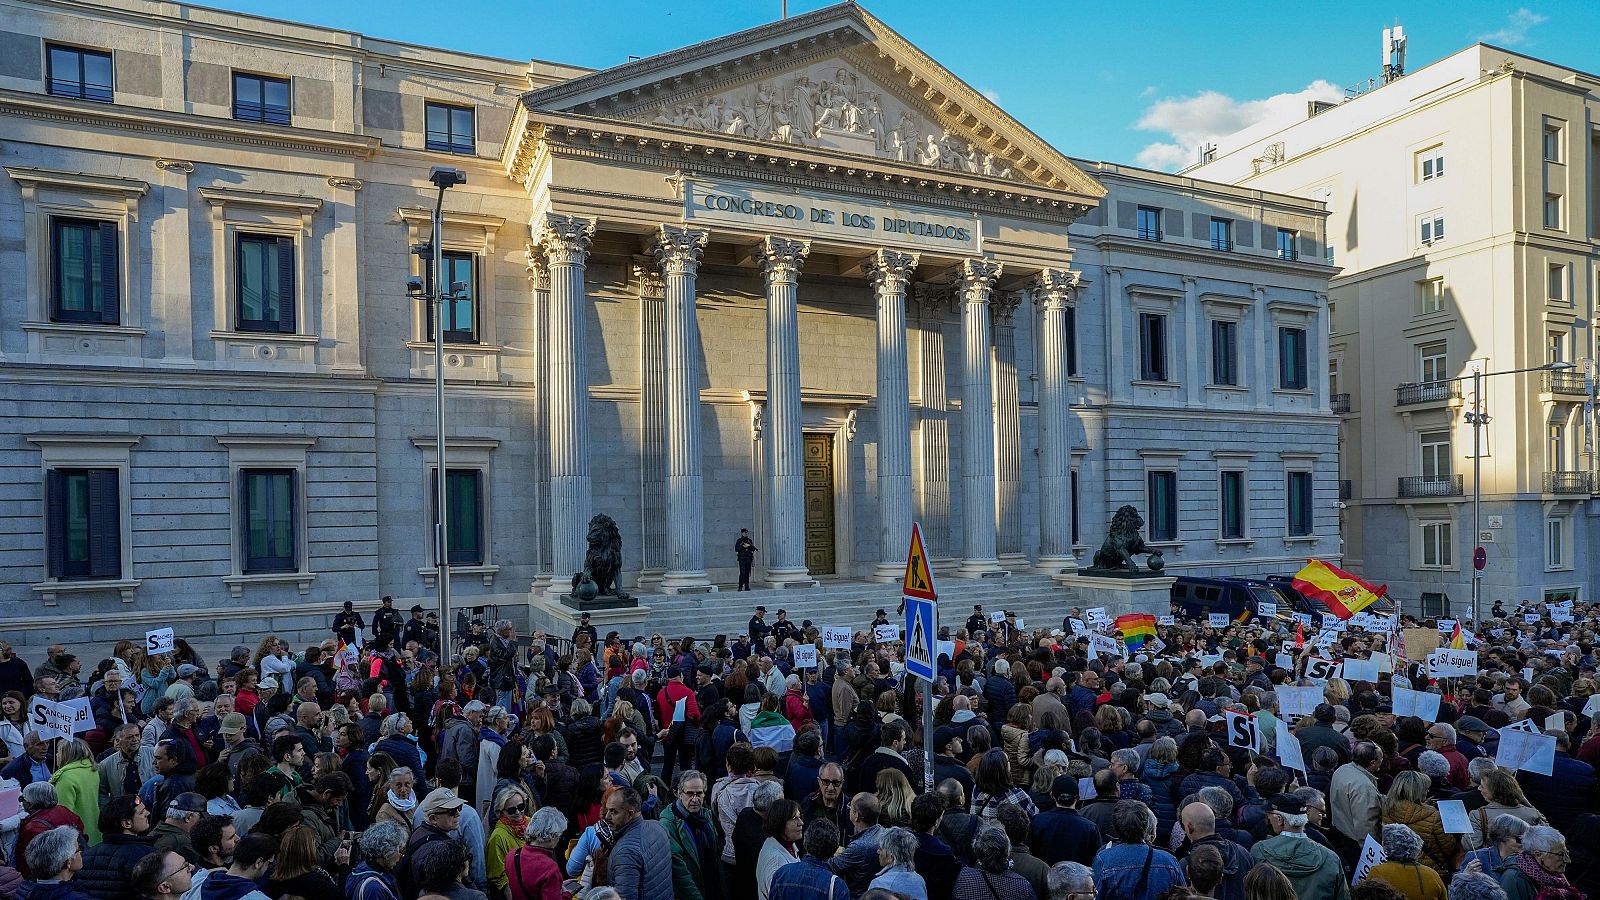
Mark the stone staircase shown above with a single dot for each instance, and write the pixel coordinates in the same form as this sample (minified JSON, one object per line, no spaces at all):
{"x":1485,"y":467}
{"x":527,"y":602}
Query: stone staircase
{"x":1037,"y":599}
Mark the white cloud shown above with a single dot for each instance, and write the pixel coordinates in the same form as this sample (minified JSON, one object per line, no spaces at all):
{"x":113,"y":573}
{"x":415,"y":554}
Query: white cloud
{"x":1516,"y":29}
{"x":1203,"y":118}
{"x":992,"y":94}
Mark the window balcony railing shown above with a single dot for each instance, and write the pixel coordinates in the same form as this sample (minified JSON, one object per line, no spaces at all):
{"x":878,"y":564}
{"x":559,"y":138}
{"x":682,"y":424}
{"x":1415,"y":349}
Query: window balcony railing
{"x":1565,"y":382}
{"x":1427,"y":392}
{"x":1339,"y":403}
{"x":1566,"y":482}
{"x":1431,"y":486}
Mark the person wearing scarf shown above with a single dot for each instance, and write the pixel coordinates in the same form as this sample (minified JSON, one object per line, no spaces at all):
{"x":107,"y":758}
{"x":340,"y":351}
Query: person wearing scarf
{"x":511,"y":819}
{"x":1540,"y":869}
{"x":696,"y":856}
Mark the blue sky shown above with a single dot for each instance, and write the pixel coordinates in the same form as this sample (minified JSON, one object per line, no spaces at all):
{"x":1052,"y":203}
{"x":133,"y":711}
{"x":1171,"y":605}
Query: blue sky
{"x":1133,"y":83}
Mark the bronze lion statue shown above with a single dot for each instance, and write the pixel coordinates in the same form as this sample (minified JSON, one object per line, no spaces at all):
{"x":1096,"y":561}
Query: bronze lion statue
{"x":1123,"y":543}
{"x":602,"y":562}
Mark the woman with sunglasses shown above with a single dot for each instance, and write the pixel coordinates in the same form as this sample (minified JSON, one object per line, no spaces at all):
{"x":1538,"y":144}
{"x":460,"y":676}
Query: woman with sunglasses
{"x":510,"y":821}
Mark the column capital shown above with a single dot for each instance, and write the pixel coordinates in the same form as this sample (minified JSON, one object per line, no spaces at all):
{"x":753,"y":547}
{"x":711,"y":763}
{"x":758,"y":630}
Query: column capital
{"x":565,"y":239}
{"x":647,"y":275}
{"x":782,"y":258}
{"x":1003,"y":304}
{"x":976,"y":277}
{"x":538,"y":269}
{"x":678,"y":249}
{"x":1056,"y":288}
{"x":890,"y":270}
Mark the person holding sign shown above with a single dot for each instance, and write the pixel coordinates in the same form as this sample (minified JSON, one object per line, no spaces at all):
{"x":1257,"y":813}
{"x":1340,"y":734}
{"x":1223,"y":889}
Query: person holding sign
{"x":1401,"y":869}
{"x":1407,"y":804}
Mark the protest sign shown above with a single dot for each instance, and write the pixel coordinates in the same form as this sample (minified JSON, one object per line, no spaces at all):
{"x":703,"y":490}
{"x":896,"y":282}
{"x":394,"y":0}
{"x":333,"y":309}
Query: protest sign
{"x":1360,"y":670}
{"x":1284,"y":661}
{"x":997,"y":616}
{"x":1097,"y":616}
{"x":1242,"y":730}
{"x":1524,"y":725}
{"x":49,"y":719}
{"x":1321,"y":669}
{"x":1328,"y":636}
{"x":1166,"y":620}
{"x":1421,"y":704}
{"x":1104,"y":645}
{"x":1086,"y":789}
{"x":1530,"y":618}
{"x":1371,"y":854}
{"x":1218,"y":620}
{"x":1592,"y":705}
{"x":1528,"y":752}
{"x":1454,"y":814}
{"x":805,"y":656}
{"x":1420,"y":642}
{"x":1290,"y":752}
{"x":1078,"y":627}
{"x":1384,"y":663}
{"x":158,"y":641}
{"x":885,"y":634}
{"x":1448,"y":663}
{"x":1446,"y":626}
{"x":1154,"y":645}
{"x":1306,"y":619}
{"x":946,"y":649}
{"x":1267,"y":610}
{"x":836,"y":637}
{"x":1556,"y":721}
{"x":1298,"y":701}
{"x":82,"y":714}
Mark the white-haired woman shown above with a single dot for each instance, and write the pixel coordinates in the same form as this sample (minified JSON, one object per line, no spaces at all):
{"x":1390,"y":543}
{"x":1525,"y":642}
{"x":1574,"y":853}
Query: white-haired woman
{"x":383,"y":845}
{"x":510,"y":820}
{"x":1504,"y":843}
{"x":532,"y":872}
{"x":1401,"y":869}
{"x":897,"y":854}
{"x":1540,"y":870}
{"x":400,"y":798}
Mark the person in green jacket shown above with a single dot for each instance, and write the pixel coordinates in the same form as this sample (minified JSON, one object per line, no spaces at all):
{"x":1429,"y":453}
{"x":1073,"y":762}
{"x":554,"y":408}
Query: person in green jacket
{"x":696,"y":846}
{"x":510,"y":821}
{"x":78,"y":786}
{"x":1313,"y":869}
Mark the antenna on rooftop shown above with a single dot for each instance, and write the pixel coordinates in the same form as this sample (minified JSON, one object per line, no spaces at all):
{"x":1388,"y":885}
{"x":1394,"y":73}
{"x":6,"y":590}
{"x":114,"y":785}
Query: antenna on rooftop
{"x":1394,"y":53}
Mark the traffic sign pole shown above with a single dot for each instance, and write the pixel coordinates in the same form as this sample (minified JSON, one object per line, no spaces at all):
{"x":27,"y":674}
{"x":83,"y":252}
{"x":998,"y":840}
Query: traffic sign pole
{"x":922,"y":637}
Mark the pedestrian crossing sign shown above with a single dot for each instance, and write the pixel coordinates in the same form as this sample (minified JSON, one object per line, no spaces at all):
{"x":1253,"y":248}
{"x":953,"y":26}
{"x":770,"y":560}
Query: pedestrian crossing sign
{"x":919,"y":575}
{"x":921,"y":636}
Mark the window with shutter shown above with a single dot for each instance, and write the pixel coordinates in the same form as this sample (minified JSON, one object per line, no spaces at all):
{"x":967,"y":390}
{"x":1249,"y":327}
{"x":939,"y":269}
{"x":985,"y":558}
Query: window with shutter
{"x":85,"y":273}
{"x":84,"y":521}
{"x":264,"y":275}
{"x":267,"y":520}
{"x":464,"y":499}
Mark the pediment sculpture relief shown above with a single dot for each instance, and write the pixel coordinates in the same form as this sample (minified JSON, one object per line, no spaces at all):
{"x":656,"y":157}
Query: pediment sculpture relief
{"x":832,"y":106}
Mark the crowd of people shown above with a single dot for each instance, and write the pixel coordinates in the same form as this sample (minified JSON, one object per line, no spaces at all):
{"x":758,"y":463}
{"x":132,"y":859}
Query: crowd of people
{"x":652,"y":767}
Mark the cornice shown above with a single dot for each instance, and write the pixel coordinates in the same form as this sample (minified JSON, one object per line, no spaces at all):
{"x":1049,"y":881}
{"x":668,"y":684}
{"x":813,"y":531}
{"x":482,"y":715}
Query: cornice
{"x":261,"y":199}
{"x":419,"y":216}
{"x":1113,"y":242}
{"x":33,"y":176}
{"x":204,"y":129}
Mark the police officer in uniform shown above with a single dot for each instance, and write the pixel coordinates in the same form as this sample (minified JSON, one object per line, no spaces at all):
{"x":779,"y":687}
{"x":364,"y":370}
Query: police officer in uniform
{"x":745,"y":550}
{"x":386,"y":621}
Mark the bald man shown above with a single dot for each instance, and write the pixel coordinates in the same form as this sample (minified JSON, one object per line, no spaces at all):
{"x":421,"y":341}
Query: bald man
{"x":1200,"y":826}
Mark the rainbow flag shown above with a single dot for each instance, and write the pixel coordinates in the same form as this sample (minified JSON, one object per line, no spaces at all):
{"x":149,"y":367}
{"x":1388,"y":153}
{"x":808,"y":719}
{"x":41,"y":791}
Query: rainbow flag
{"x":1344,"y":594}
{"x":1136,"y":628}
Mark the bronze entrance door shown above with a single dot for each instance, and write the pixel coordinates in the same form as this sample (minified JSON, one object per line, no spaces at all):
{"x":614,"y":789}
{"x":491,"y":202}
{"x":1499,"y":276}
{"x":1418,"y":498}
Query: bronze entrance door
{"x":819,"y":504}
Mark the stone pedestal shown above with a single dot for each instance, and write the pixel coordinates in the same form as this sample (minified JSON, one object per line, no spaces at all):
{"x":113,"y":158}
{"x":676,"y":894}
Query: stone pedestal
{"x":559,"y":619}
{"x":1149,"y":594}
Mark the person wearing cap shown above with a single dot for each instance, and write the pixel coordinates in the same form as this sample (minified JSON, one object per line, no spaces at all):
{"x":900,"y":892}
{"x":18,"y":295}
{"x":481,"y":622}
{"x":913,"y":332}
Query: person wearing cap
{"x":183,"y":811}
{"x":459,"y":742}
{"x":347,"y":625}
{"x":1313,"y":869}
{"x":976,"y":622}
{"x":757,"y":628}
{"x":947,"y":746}
{"x":439,"y":814}
{"x":744,"y":550}
{"x":585,"y":626}
{"x":783,"y":629}
{"x":1470,"y":734}
{"x":414,"y":629}
{"x":386,"y":621}
{"x":238,"y":746}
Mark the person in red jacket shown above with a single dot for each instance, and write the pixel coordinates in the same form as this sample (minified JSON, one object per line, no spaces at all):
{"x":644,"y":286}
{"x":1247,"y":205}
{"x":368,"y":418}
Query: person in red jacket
{"x":44,"y":813}
{"x":674,"y":727}
{"x":532,"y":872}
{"x":796,"y":708}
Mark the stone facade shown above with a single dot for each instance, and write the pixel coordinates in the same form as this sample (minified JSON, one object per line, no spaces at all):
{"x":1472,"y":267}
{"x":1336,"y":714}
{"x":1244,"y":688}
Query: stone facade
{"x":636,"y":350}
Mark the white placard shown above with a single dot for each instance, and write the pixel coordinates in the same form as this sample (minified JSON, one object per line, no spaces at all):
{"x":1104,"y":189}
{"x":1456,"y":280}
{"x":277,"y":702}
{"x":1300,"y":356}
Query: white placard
{"x":1321,"y":669}
{"x":1556,"y":721}
{"x":1078,"y":627}
{"x":1104,"y":645}
{"x":82,"y":714}
{"x":1086,"y":789}
{"x":1154,"y":645}
{"x":1360,"y":670}
{"x":1208,"y":660}
{"x":49,"y":720}
{"x":1447,"y":625}
{"x":1421,"y":704}
{"x":158,"y":641}
{"x":1267,"y":610}
{"x":1454,"y":814}
{"x":1528,"y":752}
{"x":1383,"y":662}
{"x":1096,"y":616}
{"x":837,"y":637}
{"x":1530,"y":618}
{"x":1289,"y":752}
{"x":885,"y":634}
{"x":805,"y":656}
{"x":1242,"y":730}
{"x":1219,"y":620}
{"x":1166,"y":620}
{"x":1306,"y":619}
{"x":1525,"y":725}
{"x":1298,"y":701}
{"x":997,"y":616}
{"x":1447,"y":663}
{"x":945,"y":648}
{"x":680,"y":710}
{"x":1371,"y":854}
{"x":1021,"y":625}
{"x":346,"y":655}
{"x":1592,"y":706}
{"x":1284,"y":661}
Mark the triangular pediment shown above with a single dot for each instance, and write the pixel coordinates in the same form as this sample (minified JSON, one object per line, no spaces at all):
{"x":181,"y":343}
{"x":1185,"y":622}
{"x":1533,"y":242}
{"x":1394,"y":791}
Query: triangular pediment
{"x":837,"y":80}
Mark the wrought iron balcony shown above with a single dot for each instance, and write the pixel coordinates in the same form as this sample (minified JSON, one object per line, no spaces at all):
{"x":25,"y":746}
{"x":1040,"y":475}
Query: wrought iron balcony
{"x":1566,"y":482}
{"x":1565,"y":382}
{"x":1339,"y":403}
{"x":1431,"y":486}
{"x":1427,"y":392}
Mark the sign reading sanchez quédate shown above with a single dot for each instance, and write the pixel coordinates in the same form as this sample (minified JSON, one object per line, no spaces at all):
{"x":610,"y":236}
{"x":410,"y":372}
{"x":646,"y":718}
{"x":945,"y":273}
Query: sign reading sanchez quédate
{"x":871,"y":222}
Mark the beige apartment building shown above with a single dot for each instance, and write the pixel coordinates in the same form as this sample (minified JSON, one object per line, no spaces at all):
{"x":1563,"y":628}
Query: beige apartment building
{"x":1463,"y":224}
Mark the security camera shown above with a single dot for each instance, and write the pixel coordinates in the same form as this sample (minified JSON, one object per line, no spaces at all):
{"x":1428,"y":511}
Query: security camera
{"x":414,"y":285}
{"x":446,"y":177}
{"x":458,"y":288}
{"x":422,"y":248}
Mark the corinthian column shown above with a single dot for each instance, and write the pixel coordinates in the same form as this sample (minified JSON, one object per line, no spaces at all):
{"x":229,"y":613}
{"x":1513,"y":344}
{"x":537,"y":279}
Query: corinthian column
{"x":977,"y":422}
{"x":781,"y":259}
{"x":1053,"y":293}
{"x":678,"y":251}
{"x":565,"y":241}
{"x":890,"y":271}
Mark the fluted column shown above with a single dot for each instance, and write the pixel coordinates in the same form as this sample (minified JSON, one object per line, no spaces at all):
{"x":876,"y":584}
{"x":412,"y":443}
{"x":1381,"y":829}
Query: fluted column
{"x":1003,"y":307}
{"x":678,"y":251}
{"x":652,"y":422}
{"x":976,"y":281}
{"x":1053,"y":293}
{"x":890,"y":271}
{"x":565,"y":240}
{"x":539,"y":287}
{"x":781,"y":259}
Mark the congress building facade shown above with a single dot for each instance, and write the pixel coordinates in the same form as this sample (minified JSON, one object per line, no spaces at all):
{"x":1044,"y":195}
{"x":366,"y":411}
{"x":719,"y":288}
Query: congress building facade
{"x":799,"y":279}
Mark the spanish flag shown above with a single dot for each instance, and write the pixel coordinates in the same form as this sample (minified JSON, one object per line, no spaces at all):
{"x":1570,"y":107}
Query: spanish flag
{"x":1457,"y":641}
{"x":1136,"y":628}
{"x":1344,"y":594}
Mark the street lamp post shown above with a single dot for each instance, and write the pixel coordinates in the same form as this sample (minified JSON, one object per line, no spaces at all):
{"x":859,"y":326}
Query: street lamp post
{"x":1477,"y":418}
{"x":439,"y":292}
